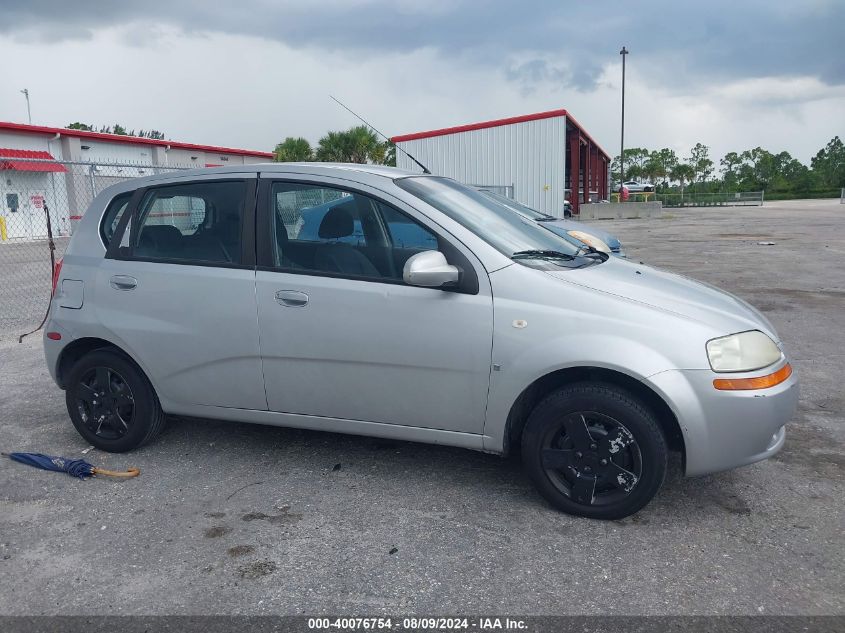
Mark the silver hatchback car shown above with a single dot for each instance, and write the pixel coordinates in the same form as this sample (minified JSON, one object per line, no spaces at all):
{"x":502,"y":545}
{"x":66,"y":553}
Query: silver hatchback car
{"x":369,"y":300}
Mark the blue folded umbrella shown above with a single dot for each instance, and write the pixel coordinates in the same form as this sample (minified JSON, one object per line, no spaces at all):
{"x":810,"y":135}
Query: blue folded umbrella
{"x":74,"y":467}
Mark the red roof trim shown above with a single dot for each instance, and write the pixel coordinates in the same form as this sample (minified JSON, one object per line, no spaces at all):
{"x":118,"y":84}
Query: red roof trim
{"x":480,"y":126}
{"x":550,"y":114}
{"x":132,"y":140}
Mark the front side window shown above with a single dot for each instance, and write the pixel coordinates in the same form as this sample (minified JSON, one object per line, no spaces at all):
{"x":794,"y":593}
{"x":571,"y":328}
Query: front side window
{"x":198,"y":221}
{"x":333,"y":231}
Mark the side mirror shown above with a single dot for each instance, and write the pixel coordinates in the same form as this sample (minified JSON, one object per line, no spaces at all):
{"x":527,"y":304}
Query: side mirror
{"x":430,"y":270}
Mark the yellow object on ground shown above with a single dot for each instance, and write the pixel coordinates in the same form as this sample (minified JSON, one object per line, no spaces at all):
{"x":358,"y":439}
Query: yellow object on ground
{"x":3,"y":236}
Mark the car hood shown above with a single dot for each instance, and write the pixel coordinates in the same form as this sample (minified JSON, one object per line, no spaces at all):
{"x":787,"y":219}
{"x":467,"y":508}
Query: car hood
{"x":562,"y":226}
{"x":673,"y":293}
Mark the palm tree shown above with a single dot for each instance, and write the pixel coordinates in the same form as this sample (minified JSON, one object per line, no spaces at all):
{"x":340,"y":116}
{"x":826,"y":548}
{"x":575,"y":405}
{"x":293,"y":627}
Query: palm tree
{"x":332,"y":148}
{"x":683,"y":173}
{"x":293,"y":150}
{"x":363,"y":145}
{"x":356,"y":145}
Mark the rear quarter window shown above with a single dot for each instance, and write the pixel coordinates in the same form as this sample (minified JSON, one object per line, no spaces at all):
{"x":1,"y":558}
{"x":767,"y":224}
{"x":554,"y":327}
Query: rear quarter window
{"x":111,"y":218}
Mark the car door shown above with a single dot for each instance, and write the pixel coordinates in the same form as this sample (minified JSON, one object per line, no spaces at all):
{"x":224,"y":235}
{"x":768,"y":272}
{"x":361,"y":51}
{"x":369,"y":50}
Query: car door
{"x":177,"y":290}
{"x":342,"y":336}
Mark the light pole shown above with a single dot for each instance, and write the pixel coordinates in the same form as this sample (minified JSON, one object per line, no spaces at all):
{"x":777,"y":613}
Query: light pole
{"x":25,"y":93}
{"x":624,"y":53}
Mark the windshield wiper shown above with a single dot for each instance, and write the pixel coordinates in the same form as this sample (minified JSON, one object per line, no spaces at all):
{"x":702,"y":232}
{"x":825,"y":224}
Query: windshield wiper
{"x":541,"y":254}
{"x":588,"y":251}
{"x":546,"y":218}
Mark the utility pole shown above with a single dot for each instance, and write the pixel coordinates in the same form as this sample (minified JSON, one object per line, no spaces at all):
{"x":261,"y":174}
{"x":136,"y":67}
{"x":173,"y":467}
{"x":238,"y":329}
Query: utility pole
{"x":25,"y":93}
{"x":624,"y":53}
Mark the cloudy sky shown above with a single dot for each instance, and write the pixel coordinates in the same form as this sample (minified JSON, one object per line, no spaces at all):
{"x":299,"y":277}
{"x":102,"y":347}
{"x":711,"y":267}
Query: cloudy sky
{"x":731,"y":74}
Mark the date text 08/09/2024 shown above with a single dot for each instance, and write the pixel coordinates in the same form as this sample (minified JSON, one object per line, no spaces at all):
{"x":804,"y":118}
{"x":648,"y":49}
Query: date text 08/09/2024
{"x":417,"y":623}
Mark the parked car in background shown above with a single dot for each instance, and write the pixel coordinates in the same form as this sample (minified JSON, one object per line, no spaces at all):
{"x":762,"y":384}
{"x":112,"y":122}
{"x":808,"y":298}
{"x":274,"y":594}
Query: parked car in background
{"x":420,"y":309}
{"x":571,"y":230}
{"x":635,"y":187}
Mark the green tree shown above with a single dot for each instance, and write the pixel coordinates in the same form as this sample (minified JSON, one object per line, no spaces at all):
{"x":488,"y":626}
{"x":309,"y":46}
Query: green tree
{"x":364,"y":145}
{"x":683,"y":173}
{"x":390,"y":154}
{"x":293,"y":149}
{"x":332,"y":148}
{"x":635,"y":161}
{"x":700,"y":162}
{"x":729,"y":164}
{"x":828,"y":165}
{"x":356,"y":145}
{"x":660,"y":164}
{"x":80,"y":126}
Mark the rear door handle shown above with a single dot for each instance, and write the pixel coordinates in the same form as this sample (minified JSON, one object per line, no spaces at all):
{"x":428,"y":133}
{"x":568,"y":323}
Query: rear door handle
{"x":291,"y":298}
{"x":123,"y":282}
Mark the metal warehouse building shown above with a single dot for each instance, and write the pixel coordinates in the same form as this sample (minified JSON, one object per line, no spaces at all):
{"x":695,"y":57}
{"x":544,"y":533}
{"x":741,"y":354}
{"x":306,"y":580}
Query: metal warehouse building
{"x":62,"y":170}
{"x":538,"y":159}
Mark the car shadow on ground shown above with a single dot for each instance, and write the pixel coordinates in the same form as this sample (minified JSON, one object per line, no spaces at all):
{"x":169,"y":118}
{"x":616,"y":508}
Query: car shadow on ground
{"x":462,"y":475}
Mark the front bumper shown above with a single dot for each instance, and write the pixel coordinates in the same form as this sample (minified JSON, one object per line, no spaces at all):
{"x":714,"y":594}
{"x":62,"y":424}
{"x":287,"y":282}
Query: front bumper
{"x":727,"y":429}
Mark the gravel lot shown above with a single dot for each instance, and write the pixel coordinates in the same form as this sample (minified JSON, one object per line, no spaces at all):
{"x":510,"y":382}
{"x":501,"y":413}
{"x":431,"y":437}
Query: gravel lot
{"x":240,"y":519}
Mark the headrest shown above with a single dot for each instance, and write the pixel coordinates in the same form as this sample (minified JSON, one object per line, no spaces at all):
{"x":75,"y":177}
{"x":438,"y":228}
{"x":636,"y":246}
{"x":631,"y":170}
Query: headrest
{"x":164,"y":235}
{"x":337,"y":223}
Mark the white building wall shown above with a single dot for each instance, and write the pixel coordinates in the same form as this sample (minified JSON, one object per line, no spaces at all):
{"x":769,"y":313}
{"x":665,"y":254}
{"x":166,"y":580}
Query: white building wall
{"x":68,"y":194}
{"x":530,"y":155}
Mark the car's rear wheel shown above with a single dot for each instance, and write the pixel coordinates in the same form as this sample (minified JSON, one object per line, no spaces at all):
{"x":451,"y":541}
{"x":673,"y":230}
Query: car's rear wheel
{"x":594,"y":450}
{"x":111,"y":403}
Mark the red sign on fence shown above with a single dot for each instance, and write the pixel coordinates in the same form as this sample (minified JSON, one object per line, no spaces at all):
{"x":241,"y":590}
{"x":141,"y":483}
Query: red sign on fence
{"x":37,"y":201}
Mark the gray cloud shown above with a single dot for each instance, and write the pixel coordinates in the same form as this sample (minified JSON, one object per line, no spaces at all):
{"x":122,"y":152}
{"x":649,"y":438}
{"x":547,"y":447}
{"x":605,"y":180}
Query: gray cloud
{"x":680,"y":43}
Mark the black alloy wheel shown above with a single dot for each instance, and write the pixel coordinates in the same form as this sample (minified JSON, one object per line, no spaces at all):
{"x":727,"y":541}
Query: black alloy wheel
{"x":105,"y":402}
{"x":594,"y":450}
{"x":111,"y":402}
{"x":592,"y":458}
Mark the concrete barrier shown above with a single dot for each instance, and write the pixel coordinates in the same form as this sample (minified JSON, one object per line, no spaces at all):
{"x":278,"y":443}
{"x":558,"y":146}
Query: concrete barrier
{"x":621,"y":210}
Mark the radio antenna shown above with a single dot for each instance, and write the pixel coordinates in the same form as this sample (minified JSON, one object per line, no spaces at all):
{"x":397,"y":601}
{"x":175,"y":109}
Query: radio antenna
{"x":360,"y":118}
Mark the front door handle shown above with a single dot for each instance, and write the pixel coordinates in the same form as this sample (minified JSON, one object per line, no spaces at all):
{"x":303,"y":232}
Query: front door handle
{"x":291,"y":298}
{"x":123,"y":282}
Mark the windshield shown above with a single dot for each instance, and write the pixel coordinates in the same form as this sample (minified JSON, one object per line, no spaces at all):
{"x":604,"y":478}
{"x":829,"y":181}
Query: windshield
{"x":508,"y":232}
{"x":528,"y":212}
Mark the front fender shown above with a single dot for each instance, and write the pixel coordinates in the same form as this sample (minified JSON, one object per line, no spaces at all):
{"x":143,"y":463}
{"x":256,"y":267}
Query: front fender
{"x":513,"y":373}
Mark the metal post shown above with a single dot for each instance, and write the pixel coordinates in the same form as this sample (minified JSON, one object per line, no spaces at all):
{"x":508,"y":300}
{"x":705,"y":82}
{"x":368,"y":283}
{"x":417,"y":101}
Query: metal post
{"x":25,"y":93}
{"x":91,"y":181}
{"x":624,"y":53}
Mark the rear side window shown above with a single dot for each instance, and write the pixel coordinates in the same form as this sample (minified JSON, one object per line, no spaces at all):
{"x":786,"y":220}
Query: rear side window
{"x":192,"y":222}
{"x":111,"y":218}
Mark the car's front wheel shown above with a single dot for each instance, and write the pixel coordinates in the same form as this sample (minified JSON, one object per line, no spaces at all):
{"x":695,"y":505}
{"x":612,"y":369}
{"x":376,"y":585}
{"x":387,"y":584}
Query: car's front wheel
{"x":111,"y":403}
{"x":594,"y":450}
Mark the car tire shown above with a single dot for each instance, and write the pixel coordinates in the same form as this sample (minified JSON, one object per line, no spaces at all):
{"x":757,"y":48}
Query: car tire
{"x":594,"y":450}
{"x":112,"y":403}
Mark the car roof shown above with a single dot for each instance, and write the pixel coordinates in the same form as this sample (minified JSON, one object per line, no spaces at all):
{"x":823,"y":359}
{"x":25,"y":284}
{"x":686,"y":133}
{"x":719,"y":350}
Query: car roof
{"x":315,"y":169}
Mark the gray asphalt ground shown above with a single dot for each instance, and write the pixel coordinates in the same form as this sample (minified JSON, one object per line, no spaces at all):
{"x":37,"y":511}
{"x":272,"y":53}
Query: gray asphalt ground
{"x":240,"y":519}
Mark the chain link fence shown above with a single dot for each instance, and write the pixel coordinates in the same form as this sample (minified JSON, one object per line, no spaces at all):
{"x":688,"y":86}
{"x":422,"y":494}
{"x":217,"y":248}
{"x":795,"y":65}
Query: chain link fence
{"x":37,"y":198}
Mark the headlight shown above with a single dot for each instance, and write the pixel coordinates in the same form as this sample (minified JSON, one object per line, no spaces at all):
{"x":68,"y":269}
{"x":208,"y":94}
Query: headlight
{"x":590,"y":240}
{"x":745,"y":351}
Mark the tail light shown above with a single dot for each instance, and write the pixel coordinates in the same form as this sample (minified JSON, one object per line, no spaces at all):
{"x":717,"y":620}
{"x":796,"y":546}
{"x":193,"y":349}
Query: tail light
{"x":57,"y":270}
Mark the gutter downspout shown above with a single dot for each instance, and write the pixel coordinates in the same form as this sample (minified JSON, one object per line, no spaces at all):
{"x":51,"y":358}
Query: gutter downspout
{"x":63,"y":229}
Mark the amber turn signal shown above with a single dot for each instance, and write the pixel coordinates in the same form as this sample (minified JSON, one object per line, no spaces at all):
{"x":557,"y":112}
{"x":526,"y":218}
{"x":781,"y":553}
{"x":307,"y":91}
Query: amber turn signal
{"x":761,"y":382}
